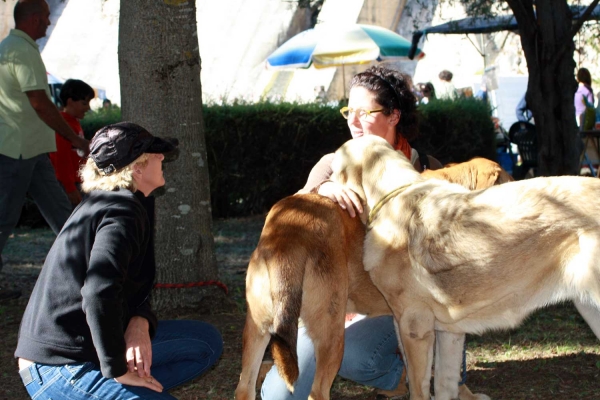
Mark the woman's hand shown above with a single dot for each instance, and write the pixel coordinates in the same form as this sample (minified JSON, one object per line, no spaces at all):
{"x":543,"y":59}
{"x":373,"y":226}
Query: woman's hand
{"x":132,"y":379}
{"x":138,"y":347}
{"x":345,"y":197}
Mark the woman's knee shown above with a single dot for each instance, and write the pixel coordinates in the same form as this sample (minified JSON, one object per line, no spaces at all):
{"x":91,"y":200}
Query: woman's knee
{"x":274,"y":387}
{"x":197,"y":337}
{"x":371,"y":350}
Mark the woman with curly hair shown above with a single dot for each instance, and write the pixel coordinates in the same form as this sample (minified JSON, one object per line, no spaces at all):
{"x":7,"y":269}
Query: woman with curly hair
{"x":381,"y":103}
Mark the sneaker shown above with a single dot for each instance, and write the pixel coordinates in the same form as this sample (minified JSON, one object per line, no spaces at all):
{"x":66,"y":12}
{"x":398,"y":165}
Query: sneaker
{"x":9,"y":294}
{"x":401,"y":392}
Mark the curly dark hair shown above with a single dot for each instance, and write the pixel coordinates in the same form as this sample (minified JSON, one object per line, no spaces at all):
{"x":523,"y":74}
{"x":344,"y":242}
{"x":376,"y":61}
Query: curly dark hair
{"x":394,"y":91}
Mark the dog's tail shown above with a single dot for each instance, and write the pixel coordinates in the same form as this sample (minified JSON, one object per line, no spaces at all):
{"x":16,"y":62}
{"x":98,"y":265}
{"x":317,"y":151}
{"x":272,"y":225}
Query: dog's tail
{"x":286,"y":290}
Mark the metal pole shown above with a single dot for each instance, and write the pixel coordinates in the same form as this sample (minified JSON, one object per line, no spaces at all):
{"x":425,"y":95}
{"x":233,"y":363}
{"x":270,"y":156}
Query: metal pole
{"x":344,"y":80}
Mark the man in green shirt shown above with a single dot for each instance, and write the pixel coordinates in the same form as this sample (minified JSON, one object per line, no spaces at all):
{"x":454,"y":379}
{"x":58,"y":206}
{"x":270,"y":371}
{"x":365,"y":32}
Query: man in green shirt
{"x":28,"y":120}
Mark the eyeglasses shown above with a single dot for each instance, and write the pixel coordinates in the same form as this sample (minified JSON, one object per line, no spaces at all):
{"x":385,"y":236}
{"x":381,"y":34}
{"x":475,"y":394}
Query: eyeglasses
{"x":362,"y":114}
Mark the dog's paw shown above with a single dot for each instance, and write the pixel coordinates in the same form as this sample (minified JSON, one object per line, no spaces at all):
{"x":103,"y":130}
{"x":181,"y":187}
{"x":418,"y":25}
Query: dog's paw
{"x":464,"y":393}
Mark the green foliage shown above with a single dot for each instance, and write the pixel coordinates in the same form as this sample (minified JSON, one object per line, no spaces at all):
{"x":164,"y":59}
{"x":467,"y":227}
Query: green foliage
{"x":456,"y":131}
{"x":95,"y":120}
{"x":258,"y":154}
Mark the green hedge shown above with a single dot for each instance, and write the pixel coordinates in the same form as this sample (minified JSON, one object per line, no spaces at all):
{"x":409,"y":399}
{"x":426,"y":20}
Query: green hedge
{"x":95,"y":120}
{"x":456,"y":131}
{"x":260,"y":153}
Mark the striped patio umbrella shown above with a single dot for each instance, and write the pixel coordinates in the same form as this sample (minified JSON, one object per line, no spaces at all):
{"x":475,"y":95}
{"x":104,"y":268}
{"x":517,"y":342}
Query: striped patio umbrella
{"x":339,"y":45}
{"x":53,"y":79}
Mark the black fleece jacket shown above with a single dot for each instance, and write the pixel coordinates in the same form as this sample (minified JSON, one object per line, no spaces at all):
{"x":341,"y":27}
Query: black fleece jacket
{"x":94,"y":280}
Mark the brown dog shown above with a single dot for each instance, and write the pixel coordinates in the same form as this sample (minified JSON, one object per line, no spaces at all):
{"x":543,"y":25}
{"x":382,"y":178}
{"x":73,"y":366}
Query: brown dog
{"x":311,"y":250}
{"x":450,"y":261}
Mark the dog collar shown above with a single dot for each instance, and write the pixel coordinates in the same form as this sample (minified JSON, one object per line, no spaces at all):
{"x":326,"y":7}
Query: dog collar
{"x":384,"y":200}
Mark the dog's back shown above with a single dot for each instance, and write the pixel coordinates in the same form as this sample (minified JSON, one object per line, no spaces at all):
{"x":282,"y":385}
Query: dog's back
{"x":299,"y":270}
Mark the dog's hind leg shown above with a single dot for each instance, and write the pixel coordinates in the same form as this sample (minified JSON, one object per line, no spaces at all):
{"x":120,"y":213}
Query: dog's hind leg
{"x":324,"y":320}
{"x":329,"y":351}
{"x":254,"y":345}
{"x":591,"y":315}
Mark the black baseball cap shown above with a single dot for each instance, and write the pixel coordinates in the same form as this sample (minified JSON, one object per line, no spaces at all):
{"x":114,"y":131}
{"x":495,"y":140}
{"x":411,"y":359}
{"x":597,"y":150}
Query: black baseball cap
{"x":116,"y":146}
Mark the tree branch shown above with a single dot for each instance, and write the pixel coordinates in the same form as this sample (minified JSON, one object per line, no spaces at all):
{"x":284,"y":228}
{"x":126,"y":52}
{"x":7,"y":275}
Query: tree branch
{"x":523,"y":11}
{"x":584,"y":17}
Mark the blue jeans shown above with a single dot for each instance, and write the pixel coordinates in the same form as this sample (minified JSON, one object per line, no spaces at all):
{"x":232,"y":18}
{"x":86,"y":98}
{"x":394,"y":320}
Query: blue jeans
{"x":181,"y":351}
{"x":36,"y":176}
{"x":370,"y":358}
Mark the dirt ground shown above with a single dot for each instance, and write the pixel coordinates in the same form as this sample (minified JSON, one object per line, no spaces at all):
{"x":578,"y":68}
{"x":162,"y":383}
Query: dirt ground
{"x":553,"y":356}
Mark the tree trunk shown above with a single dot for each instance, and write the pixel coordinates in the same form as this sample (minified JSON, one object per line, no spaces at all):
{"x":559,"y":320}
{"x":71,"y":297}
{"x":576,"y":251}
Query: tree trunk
{"x":159,"y":68}
{"x":416,"y":14}
{"x":547,"y":42}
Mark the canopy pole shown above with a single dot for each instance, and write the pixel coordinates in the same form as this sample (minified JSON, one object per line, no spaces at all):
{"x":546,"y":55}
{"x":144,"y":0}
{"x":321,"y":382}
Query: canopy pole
{"x":474,"y":45}
{"x":344,"y":80}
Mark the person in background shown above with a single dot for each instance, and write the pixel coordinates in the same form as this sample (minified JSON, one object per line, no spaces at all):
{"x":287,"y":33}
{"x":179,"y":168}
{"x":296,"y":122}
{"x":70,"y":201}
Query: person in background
{"x":445,"y":88}
{"x":427,"y":91}
{"x":28,"y":120}
{"x":482,"y":93}
{"x":106,"y":104}
{"x":320,"y":94}
{"x":584,"y":100}
{"x":523,"y":112}
{"x":381,"y":103}
{"x":89,"y":330}
{"x":597,"y":106}
{"x":76,"y":96}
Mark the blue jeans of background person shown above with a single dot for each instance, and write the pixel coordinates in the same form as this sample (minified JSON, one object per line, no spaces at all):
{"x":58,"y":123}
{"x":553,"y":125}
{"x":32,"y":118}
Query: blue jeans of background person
{"x":36,"y":176}
{"x":370,"y":358}
{"x":181,"y":351}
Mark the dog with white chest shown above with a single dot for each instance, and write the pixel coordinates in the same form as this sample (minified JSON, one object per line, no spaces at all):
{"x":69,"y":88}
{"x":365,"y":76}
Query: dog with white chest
{"x":450,"y":261}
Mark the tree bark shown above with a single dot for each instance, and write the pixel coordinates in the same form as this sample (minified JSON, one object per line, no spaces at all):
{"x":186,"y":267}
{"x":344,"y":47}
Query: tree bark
{"x":159,"y":68}
{"x":547,"y":41}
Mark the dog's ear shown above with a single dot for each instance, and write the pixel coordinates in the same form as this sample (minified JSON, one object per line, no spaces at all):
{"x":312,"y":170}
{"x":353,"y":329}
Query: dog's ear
{"x":504,"y":177}
{"x":346,"y":171}
{"x":352,"y":177}
{"x":338,"y":168}
{"x":487,"y":177}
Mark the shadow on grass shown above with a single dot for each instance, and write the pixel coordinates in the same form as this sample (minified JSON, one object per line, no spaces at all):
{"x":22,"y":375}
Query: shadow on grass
{"x":574,"y":376}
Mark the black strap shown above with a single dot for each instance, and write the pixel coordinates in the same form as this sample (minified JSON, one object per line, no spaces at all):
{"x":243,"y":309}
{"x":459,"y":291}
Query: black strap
{"x":424,"y":160}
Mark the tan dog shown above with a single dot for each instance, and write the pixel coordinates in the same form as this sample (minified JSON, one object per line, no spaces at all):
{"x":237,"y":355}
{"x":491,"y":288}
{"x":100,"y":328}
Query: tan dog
{"x":450,"y":261}
{"x":477,"y":173}
{"x":310,"y":247}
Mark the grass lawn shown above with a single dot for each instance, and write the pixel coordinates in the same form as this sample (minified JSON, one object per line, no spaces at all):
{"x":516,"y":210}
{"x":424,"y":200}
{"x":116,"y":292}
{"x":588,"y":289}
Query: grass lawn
{"x":554,"y":355}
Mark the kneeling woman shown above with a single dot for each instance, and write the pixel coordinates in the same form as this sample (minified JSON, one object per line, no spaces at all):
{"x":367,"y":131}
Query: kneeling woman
{"x":88,"y":330}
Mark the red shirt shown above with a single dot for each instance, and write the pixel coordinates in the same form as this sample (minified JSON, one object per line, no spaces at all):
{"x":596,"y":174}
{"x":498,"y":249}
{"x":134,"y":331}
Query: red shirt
{"x":65,"y":160}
